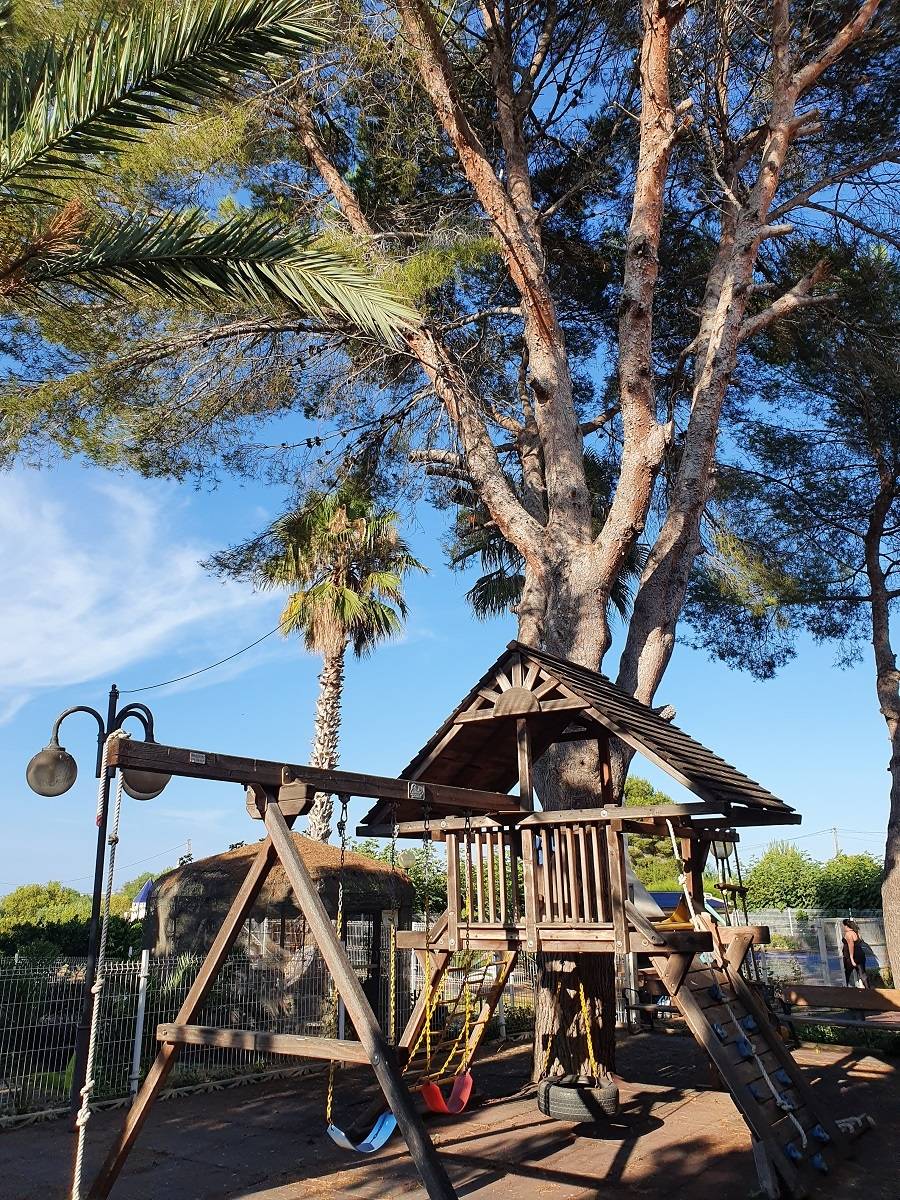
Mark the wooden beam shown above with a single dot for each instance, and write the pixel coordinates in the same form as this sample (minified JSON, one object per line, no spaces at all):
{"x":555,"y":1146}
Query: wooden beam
{"x":201,"y":764}
{"x":380,"y":1054}
{"x":472,"y":717}
{"x":523,"y":750}
{"x":328,"y":1049}
{"x":199,"y":989}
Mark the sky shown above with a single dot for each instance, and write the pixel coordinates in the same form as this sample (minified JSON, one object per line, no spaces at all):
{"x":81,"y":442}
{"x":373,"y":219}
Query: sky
{"x":103,"y":583}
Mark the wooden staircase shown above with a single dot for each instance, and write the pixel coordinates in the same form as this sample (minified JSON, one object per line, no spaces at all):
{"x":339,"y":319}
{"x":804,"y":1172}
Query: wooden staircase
{"x":792,"y":1130}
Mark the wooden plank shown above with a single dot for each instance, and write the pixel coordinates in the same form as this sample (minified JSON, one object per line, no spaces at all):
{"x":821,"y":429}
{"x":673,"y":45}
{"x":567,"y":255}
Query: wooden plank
{"x":197,"y":993}
{"x":502,"y":889}
{"x":643,"y":926}
{"x":576,"y":908}
{"x":559,"y":911}
{"x":589,"y":913}
{"x":479,"y":882}
{"x":529,"y":879}
{"x":618,"y":888}
{"x":453,"y":894}
{"x":381,"y":1055}
{"x":523,"y":754}
{"x":614,"y":812}
{"x":492,"y":901}
{"x":262,"y":1043}
{"x":203,"y":764}
{"x":599,"y":876}
{"x":815,"y":996}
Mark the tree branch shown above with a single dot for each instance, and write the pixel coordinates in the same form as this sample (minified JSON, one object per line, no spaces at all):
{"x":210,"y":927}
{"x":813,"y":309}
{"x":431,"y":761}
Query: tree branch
{"x":851,"y":32}
{"x":799,"y":296}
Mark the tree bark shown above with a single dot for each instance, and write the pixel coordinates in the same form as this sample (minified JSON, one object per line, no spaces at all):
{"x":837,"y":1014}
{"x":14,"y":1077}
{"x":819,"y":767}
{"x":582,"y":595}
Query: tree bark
{"x":326,"y":735}
{"x":887,"y":684}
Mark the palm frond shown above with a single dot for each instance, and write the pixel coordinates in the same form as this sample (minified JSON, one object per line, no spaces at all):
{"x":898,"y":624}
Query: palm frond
{"x":103,"y":86}
{"x":181,"y":257}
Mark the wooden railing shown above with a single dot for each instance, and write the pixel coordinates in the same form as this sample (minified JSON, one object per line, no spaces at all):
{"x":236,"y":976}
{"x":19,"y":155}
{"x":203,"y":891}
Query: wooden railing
{"x":571,"y":874}
{"x":506,"y":881}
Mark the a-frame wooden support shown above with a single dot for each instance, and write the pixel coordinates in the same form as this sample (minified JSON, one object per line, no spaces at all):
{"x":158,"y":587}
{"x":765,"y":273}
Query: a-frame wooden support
{"x":279,"y":846}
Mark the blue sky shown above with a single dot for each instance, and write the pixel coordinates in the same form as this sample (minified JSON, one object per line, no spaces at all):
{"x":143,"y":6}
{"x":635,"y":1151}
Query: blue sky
{"x":102,"y":583}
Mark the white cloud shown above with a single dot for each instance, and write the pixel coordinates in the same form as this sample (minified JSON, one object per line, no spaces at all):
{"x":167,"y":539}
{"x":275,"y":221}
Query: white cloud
{"x":101,"y":581}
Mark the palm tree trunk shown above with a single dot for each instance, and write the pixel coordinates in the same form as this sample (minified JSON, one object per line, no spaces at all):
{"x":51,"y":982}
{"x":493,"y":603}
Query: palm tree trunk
{"x":325,"y":738}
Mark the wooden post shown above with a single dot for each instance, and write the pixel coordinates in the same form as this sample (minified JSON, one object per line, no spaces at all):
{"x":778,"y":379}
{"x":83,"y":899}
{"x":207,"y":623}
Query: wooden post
{"x":618,"y":887}
{"x":453,"y":897}
{"x":380,"y":1053}
{"x":530,"y":885}
{"x":526,"y":782}
{"x":165,"y":1059}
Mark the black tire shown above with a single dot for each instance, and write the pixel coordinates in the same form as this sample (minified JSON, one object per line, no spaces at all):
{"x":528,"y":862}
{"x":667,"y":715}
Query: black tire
{"x":577,"y":1098}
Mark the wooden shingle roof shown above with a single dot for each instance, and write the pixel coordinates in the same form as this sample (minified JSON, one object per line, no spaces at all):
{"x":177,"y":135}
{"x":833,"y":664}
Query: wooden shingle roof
{"x":476,"y":746}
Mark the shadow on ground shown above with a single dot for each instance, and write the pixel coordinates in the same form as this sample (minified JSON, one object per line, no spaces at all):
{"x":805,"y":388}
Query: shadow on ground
{"x":677,"y":1136}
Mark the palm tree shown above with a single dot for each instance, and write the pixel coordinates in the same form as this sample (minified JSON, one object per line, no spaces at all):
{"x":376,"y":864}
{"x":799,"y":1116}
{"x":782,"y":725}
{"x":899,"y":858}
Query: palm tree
{"x":344,"y":563}
{"x":66,"y":109}
{"x":498,"y":589}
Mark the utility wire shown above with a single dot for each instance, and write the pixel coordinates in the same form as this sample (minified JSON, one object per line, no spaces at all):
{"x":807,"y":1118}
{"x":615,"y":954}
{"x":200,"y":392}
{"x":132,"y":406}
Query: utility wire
{"x":149,"y":687}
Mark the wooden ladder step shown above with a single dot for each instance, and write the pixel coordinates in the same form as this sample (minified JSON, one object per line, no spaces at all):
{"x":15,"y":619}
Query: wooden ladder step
{"x":263,"y":1043}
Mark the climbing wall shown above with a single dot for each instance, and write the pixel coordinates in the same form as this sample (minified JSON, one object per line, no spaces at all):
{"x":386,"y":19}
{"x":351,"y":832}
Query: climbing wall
{"x":797,"y":1134}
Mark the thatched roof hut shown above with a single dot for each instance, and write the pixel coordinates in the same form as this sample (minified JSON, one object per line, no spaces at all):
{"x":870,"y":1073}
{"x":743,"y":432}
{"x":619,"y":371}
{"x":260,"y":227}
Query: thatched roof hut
{"x":189,"y":904}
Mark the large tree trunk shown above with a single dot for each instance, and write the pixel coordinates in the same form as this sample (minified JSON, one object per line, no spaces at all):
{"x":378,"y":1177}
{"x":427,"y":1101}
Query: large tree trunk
{"x":326,"y":733}
{"x":887,"y":682}
{"x":568,"y":776}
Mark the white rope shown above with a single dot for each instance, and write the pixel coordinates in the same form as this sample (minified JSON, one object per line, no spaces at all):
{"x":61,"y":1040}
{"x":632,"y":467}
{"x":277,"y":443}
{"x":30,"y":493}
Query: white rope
{"x":765,"y":1074}
{"x":84,"y":1113}
{"x":682,"y":877}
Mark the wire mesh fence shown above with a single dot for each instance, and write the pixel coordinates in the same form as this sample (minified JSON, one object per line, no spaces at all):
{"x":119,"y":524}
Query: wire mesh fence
{"x":40,"y":1003}
{"x":805,"y":946}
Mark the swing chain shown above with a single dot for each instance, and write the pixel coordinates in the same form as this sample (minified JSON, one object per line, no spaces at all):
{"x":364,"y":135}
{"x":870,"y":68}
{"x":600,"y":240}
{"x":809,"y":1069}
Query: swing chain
{"x":339,"y":929}
{"x":392,"y":962}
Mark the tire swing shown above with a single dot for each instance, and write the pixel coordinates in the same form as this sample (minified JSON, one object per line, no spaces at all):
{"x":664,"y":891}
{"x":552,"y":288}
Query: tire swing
{"x":577,"y":1098}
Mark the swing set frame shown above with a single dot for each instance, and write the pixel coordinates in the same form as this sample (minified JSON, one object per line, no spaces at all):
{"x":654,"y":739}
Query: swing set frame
{"x":554,"y":881}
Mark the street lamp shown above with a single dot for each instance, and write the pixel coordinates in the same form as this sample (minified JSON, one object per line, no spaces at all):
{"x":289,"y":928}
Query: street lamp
{"x":51,"y":772}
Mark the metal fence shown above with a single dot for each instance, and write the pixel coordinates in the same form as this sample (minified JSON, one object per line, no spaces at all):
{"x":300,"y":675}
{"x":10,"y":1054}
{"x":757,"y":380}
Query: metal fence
{"x":282,"y":993}
{"x":805,"y":946}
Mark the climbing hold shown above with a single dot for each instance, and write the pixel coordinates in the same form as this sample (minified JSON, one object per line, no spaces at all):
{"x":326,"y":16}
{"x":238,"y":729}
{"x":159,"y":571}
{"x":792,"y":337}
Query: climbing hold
{"x":748,"y":1023}
{"x":819,"y":1162}
{"x":793,"y":1152}
{"x":720,"y":1031}
{"x":745,"y":1047}
{"x":716,"y":993}
{"x":759,"y":1093}
{"x":781,"y":1076}
{"x":821,"y":1135}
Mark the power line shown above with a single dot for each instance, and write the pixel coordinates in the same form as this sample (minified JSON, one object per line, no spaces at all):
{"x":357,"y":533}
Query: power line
{"x":149,"y":687}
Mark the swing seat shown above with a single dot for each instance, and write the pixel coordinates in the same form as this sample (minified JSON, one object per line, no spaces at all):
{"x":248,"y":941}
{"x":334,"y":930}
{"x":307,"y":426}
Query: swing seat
{"x":460,"y":1094}
{"x":378,"y":1137}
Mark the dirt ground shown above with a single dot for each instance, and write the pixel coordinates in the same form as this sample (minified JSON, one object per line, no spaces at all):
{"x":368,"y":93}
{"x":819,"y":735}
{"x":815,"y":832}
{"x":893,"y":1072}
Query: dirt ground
{"x":676,"y":1136}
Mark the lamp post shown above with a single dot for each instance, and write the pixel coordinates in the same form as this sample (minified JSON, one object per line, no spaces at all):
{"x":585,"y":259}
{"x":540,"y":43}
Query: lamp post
{"x":51,"y":772}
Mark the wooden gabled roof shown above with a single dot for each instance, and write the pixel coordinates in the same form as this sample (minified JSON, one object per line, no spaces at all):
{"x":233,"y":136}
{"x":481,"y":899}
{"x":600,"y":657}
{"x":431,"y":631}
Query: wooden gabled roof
{"x":476,"y":746}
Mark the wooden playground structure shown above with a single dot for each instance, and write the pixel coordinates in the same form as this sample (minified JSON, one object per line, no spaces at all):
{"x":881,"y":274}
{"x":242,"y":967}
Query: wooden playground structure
{"x":520,"y":880}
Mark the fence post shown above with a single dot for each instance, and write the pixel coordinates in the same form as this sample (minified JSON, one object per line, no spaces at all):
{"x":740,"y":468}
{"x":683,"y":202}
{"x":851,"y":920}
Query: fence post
{"x":823,"y":952}
{"x":501,"y":1007}
{"x":134,"y":1078}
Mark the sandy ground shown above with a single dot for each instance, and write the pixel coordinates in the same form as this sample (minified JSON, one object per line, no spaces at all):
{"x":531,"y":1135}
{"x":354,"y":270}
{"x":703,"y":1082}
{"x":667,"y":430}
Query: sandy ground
{"x":676,"y":1136}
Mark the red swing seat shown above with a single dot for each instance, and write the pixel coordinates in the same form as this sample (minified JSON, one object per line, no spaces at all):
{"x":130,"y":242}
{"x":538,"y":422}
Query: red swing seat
{"x":460,"y":1094}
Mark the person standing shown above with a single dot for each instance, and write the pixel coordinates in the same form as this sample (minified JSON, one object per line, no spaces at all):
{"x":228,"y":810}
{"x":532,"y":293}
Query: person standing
{"x":853,"y":955}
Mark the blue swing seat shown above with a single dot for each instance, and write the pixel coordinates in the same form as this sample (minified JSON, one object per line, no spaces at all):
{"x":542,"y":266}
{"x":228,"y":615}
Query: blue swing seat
{"x":381,"y":1132}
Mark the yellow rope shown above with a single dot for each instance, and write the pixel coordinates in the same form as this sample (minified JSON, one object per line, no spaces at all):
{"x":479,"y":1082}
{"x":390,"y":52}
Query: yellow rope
{"x":586,"y":1018}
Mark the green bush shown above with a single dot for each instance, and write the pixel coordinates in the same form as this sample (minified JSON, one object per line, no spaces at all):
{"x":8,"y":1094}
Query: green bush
{"x":784,"y":877}
{"x":850,"y":882}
